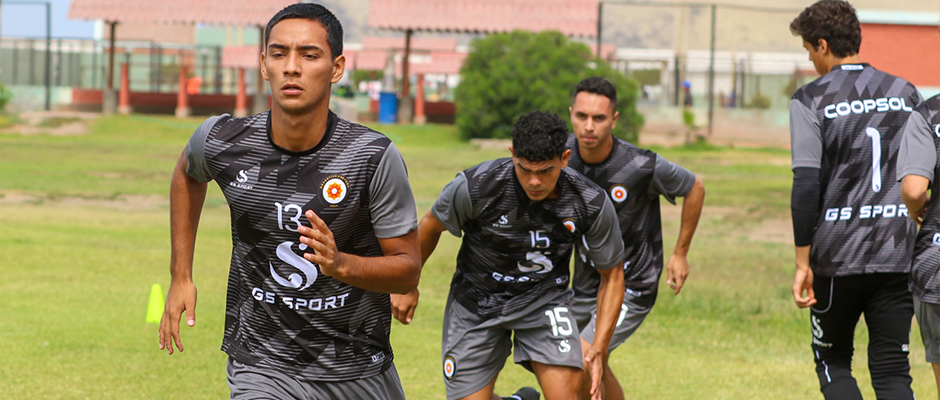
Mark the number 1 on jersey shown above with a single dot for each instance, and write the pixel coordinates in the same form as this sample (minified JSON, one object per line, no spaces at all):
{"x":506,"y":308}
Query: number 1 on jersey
{"x":875,"y":158}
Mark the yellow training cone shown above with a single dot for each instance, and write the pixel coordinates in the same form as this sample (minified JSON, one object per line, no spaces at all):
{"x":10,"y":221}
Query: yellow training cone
{"x":155,"y":308}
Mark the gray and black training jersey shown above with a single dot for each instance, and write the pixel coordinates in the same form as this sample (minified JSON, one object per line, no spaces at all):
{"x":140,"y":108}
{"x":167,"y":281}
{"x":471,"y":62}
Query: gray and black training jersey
{"x":634,"y":179}
{"x":515,"y":250}
{"x":848,"y":124}
{"x":281,"y":312}
{"x":918,"y":156}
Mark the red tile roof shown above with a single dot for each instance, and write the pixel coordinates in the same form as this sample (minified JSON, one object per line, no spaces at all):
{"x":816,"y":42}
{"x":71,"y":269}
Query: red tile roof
{"x":571,"y":17}
{"x":417,"y":44}
{"x":214,"y":12}
{"x":434,"y":62}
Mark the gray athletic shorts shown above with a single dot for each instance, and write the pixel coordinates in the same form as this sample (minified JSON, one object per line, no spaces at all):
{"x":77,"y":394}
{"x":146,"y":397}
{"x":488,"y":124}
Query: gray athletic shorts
{"x":474,"y":348}
{"x":248,"y":382}
{"x":633,"y":311}
{"x":928,"y":318}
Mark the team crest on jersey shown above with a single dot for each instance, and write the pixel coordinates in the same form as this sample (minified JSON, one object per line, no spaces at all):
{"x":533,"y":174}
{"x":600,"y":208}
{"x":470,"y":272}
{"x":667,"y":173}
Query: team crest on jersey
{"x":936,"y":130}
{"x":334,"y":189}
{"x":569,"y":223}
{"x":618,"y":193}
{"x":450,"y":368}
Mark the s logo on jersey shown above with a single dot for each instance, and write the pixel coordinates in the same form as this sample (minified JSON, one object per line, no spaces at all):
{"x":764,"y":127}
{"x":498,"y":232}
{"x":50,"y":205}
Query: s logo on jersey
{"x":334,"y":189}
{"x":241,"y":181}
{"x":295,"y":281}
{"x":936,"y":130}
{"x":450,"y":368}
{"x":618,"y":193}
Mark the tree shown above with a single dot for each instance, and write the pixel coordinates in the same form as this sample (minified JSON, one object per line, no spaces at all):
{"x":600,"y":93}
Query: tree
{"x":507,"y":75}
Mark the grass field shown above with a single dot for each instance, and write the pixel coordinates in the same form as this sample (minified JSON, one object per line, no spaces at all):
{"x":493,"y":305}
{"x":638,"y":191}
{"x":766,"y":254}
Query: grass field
{"x":84,"y":234}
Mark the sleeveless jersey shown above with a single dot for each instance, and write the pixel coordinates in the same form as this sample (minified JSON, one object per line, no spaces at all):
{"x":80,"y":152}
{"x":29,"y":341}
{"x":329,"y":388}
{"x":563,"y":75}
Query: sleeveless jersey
{"x":925,"y":282}
{"x":515,"y":250}
{"x":626,"y":176}
{"x":281,"y":312}
{"x":863,"y":225}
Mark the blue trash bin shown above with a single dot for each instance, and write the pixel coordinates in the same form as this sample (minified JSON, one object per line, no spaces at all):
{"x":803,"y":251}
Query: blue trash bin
{"x":388,"y":108}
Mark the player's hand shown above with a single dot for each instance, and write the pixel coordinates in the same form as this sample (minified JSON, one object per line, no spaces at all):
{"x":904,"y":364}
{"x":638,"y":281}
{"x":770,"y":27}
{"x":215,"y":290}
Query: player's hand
{"x":803,"y":281}
{"x":320,"y":239}
{"x":594,"y":364}
{"x":404,"y":305}
{"x":677,"y":271}
{"x":181,"y":298}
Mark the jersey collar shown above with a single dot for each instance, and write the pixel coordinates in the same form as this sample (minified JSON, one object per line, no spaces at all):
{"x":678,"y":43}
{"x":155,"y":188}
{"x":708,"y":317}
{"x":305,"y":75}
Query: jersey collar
{"x":331,"y":122}
{"x":851,"y":67}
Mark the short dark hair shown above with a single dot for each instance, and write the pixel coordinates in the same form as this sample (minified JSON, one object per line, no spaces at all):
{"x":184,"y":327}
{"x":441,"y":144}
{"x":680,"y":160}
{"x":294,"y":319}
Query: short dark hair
{"x":599,"y":86}
{"x":832,"y":20}
{"x":539,"y":136}
{"x":316,"y":13}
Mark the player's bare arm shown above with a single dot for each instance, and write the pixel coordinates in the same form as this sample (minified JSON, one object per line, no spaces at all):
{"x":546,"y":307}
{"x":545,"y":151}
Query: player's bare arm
{"x":429,"y":233}
{"x":397,"y":271}
{"x":187,"y":196}
{"x":914,"y":194}
{"x":803,"y":279}
{"x":678,"y":269}
{"x":609,"y":301}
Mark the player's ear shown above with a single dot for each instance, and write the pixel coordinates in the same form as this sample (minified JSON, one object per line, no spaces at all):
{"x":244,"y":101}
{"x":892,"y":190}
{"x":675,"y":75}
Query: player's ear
{"x":822,"y":46}
{"x":614,"y":122}
{"x":512,"y":153}
{"x":339,"y":68}
{"x":264,"y":70}
{"x":564,"y":158}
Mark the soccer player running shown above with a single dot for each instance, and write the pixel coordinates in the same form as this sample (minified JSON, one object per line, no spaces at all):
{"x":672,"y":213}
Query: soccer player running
{"x":853,"y":238}
{"x":634,"y":179}
{"x":323,"y":228}
{"x":918,"y":170}
{"x":521,"y":218}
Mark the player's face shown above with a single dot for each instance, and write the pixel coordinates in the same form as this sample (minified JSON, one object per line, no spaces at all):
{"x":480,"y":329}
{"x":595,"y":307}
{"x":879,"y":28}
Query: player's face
{"x":817,"y":56}
{"x":539,"y":179}
{"x":298,"y":66}
{"x":592,"y":118}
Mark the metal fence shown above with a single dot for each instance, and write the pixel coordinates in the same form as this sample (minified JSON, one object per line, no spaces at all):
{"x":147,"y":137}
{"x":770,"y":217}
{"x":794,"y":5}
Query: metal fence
{"x":82,"y":63}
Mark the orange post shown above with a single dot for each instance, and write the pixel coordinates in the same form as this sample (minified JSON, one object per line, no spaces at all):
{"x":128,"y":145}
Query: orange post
{"x":420,"y":118}
{"x":241,"y":99}
{"x":124,"y":96}
{"x":182,"y":97}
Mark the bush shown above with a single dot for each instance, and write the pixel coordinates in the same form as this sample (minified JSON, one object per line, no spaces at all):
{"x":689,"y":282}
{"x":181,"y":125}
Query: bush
{"x":5,"y":96}
{"x":507,"y":75}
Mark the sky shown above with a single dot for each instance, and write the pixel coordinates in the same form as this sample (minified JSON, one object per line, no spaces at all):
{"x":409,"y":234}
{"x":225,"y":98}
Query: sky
{"x":17,"y":20}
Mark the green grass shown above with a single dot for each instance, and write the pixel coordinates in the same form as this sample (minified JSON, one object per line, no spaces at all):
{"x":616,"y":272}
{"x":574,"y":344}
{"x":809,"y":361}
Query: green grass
{"x":84,"y":233}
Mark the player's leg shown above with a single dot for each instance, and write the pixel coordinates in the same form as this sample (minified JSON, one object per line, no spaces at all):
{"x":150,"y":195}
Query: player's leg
{"x":833,"y":319}
{"x":888,"y":316}
{"x":558,"y":382}
{"x":474,"y":350}
{"x":546,"y":341}
{"x":936,"y":376}
{"x":928,"y":320}
{"x":636,"y":306}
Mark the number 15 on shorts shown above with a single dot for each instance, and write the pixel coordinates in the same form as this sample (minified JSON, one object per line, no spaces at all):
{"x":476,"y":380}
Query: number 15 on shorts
{"x":561,"y":324}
